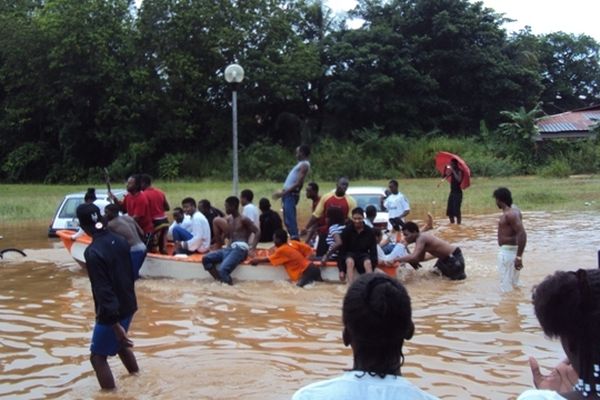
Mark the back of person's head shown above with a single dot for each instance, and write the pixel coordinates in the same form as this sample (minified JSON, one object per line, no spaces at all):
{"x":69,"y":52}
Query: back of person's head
{"x":304,"y":149}
{"x":247,"y":195}
{"x":145,"y":180}
{"x":314,"y":186}
{"x":377,"y":318}
{"x":335,"y":215}
{"x":232,"y":202}
{"x":264,"y":204}
{"x":204,"y":204}
{"x":280,"y":236}
{"x":90,"y":218}
{"x":567,"y":305}
{"x":371,"y":211}
{"x":111,"y":211}
{"x":504,"y":195}
{"x":410,"y":227}
{"x":189,"y":201}
{"x":90,"y":195}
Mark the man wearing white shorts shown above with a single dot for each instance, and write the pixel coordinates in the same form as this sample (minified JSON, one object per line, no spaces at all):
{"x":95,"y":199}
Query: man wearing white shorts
{"x":512,"y":239}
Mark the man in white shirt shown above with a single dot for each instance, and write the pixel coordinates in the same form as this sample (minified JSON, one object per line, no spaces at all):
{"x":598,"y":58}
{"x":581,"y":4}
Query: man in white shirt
{"x":196,"y":238}
{"x":396,"y":204}
{"x":249,"y":210}
{"x":179,"y":218}
{"x":377,"y":320}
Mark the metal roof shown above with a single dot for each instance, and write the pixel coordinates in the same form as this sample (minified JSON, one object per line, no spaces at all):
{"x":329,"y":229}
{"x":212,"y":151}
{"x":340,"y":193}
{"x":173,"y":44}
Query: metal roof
{"x":570,"y":121}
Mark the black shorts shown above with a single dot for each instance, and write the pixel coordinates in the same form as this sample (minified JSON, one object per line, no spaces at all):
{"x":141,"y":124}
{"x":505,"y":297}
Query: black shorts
{"x":359,"y":261}
{"x":452,"y":266}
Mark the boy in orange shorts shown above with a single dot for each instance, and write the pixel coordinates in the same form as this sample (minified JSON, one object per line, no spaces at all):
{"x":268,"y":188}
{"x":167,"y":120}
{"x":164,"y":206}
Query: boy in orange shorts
{"x":293,"y":255}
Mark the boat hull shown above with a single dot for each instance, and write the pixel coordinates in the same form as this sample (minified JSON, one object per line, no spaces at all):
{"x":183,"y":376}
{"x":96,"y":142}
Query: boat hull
{"x":190,"y":267}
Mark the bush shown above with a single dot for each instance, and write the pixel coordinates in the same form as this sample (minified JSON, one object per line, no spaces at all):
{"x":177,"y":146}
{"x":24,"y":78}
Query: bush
{"x":27,"y":162}
{"x":169,"y":167}
{"x":556,"y":169}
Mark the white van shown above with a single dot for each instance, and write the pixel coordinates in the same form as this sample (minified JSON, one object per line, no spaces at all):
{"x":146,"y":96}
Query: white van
{"x":65,"y":217}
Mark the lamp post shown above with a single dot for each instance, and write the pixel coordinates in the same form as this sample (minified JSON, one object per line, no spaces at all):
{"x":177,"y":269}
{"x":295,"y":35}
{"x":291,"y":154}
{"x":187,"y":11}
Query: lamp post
{"x":234,"y":74}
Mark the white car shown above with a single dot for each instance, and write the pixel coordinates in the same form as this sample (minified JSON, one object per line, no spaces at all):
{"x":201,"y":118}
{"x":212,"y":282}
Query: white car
{"x":371,"y":195}
{"x":65,"y":217}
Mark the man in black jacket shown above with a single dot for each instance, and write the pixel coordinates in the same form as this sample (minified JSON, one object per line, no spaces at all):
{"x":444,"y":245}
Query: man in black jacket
{"x":111,"y":277}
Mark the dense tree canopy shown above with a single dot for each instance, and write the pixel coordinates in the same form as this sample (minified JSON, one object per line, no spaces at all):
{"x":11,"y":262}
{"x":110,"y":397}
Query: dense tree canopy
{"x":91,"y":83}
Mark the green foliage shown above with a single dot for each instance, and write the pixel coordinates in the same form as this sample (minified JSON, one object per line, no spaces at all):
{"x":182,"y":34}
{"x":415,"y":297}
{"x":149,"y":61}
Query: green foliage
{"x":25,"y":163}
{"x":264,"y":161}
{"x":169,"y":167}
{"x":558,"y":168}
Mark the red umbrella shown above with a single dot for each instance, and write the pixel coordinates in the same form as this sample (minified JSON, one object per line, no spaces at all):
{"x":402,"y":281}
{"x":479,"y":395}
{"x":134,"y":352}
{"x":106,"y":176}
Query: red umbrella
{"x":442,"y":160}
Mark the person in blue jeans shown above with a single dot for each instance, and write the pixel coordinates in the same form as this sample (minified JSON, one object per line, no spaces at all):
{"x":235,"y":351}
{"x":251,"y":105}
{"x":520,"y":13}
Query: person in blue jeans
{"x":290,"y":194}
{"x":242,"y":236}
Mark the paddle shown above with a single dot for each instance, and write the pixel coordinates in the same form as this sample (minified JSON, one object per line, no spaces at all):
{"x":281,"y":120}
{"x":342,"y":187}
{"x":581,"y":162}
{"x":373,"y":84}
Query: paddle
{"x":107,"y":180}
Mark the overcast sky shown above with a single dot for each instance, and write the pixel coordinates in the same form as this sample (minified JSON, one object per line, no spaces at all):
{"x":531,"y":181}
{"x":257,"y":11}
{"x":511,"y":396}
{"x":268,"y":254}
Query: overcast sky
{"x":544,"y":16}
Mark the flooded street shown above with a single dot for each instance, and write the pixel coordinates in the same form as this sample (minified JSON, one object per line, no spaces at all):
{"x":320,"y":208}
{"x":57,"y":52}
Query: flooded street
{"x":259,"y":340}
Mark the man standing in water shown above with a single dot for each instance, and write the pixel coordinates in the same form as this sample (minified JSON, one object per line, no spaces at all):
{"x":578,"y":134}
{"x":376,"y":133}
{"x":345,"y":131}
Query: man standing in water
{"x":242,"y":235}
{"x":291,"y":190}
{"x":111,"y":277}
{"x":512,"y":239}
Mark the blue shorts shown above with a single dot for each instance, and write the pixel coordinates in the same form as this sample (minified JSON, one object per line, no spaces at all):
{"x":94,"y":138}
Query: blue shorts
{"x":104,"y":340}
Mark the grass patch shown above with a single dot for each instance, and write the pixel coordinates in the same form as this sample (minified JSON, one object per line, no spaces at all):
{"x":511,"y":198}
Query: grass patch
{"x":38,"y":202}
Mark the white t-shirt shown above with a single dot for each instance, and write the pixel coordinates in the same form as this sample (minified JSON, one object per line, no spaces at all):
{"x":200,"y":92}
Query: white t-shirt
{"x":200,"y":231}
{"x":536,"y":394}
{"x":398,"y":251}
{"x":185,"y":224}
{"x":251,"y":211}
{"x":353,"y":385}
{"x":396,"y":204}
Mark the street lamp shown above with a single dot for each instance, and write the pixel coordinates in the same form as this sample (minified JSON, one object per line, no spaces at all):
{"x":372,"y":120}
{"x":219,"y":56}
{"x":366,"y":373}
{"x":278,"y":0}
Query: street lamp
{"x":234,"y":74}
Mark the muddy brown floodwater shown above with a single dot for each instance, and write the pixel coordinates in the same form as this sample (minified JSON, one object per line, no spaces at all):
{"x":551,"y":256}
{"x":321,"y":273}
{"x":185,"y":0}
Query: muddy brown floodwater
{"x":203,"y":340}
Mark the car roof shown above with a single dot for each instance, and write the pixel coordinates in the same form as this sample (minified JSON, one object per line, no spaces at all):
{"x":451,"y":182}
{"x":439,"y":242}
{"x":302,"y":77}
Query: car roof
{"x":99,"y":193}
{"x":366,"y":190}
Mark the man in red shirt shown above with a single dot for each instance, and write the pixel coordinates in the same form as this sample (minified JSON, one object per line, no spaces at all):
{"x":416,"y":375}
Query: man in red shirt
{"x":337,"y":198}
{"x":158,"y":205}
{"x":135,"y":204}
{"x":293,"y":255}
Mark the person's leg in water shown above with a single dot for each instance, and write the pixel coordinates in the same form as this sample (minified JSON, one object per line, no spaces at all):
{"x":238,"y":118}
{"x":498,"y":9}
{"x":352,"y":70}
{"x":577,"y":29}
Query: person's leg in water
{"x":102,"y":370}
{"x":311,"y":274}
{"x":210,"y":260}
{"x":128,"y":359}
{"x":350,"y":269}
{"x":231,"y":259}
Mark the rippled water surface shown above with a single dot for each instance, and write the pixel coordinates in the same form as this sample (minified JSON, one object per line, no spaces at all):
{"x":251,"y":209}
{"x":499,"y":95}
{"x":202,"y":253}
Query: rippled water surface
{"x":202,"y":340}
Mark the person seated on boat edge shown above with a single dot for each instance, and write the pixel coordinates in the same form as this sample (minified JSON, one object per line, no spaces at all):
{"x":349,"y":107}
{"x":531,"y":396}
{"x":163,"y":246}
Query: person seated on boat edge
{"x":135,"y":204}
{"x":111,"y":277}
{"x":249,"y":210}
{"x":179,"y":218}
{"x":450,"y":261}
{"x":293,"y":255}
{"x":210,"y":213}
{"x":270,"y":221}
{"x":377,"y":319}
{"x":567,"y":307}
{"x":387,"y":260}
{"x":158,"y":205}
{"x":338,"y":199}
{"x":194,"y":238}
{"x":126,"y":227}
{"x":358,"y":253}
{"x":241,"y":235}
{"x":335,"y":219}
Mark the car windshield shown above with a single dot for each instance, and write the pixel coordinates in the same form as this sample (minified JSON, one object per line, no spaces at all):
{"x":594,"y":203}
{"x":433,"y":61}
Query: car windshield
{"x":364,"y":200}
{"x":69,"y":208}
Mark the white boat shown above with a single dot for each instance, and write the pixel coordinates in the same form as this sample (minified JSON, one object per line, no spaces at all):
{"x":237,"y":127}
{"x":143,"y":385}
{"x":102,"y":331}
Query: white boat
{"x":190,"y":267}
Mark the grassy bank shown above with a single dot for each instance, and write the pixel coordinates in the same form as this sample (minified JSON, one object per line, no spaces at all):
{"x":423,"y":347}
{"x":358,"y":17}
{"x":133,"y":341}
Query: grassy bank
{"x":38,"y":202}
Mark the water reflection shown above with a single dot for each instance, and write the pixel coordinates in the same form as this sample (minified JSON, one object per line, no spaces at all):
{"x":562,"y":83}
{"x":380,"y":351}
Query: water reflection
{"x":257,"y":340}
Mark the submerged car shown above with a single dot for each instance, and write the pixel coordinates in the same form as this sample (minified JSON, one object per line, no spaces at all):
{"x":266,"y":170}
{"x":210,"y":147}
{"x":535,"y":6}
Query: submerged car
{"x":371,"y":195}
{"x":65,"y":217}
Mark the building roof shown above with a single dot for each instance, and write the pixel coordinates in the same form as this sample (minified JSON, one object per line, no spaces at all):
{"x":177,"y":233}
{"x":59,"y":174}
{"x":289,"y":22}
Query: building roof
{"x":571,"y":124}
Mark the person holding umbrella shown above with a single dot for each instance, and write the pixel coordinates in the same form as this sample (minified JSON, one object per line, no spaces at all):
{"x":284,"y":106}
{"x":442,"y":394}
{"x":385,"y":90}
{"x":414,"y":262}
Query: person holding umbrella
{"x":455,"y":171}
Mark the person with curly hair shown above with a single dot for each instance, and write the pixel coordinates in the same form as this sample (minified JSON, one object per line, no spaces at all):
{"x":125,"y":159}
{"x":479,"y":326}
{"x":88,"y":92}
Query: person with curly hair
{"x":377,"y":319}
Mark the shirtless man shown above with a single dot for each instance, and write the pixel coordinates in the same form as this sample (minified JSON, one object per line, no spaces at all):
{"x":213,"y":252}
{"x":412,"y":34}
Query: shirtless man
{"x":512,"y":239}
{"x":450,"y":259}
{"x":242,"y":236}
